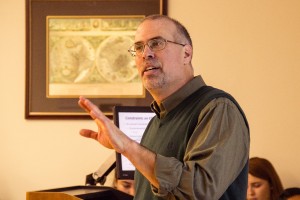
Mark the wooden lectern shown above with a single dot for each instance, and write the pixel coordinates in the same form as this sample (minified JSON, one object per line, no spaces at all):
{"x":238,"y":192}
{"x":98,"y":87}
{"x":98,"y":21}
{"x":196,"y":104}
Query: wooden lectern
{"x":78,"y":193}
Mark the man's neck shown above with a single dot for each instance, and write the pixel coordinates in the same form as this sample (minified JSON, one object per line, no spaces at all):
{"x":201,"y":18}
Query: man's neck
{"x":160,"y":94}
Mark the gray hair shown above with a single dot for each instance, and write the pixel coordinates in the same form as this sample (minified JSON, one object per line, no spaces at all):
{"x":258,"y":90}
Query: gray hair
{"x":180,"y":28}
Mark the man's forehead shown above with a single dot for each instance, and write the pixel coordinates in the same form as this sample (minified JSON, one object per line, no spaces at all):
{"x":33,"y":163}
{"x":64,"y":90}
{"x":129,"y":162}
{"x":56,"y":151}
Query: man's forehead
{"x":148,"y":39}
{"x":154,"y":28}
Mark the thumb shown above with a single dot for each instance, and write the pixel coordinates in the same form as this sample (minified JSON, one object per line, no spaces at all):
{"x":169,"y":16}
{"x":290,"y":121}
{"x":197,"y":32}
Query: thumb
{"x":88,"y":133}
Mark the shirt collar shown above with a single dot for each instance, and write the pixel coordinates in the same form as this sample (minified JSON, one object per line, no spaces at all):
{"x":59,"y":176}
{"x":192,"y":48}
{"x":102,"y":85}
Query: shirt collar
{"x":177,"y":97}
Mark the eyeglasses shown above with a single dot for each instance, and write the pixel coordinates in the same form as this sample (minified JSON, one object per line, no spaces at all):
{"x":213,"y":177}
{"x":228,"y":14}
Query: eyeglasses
{"x":155,"y":44}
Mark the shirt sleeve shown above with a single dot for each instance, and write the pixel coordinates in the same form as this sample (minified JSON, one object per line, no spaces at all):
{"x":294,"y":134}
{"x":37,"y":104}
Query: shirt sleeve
{"x":215,"y":155}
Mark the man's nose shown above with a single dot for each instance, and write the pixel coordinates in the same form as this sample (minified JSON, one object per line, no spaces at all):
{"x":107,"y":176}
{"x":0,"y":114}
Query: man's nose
{"x":147,"y":53}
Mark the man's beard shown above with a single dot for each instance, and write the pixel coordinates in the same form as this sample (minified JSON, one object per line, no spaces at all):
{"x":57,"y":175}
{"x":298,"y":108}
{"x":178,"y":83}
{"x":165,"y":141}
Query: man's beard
{"x":154,"y":82}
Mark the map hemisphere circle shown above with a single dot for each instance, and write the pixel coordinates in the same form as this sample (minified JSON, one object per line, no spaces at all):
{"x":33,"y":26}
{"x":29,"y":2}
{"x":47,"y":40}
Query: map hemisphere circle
{"x":114,"y":62}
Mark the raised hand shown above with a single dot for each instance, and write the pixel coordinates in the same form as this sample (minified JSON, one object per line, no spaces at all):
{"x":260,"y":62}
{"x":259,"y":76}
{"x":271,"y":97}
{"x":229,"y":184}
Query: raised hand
{"x":108,"y":134}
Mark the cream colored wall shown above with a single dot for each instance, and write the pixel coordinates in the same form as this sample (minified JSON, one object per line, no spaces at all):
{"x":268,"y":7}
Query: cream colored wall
{"x":249,"y":48}
{"x":252,"y":49}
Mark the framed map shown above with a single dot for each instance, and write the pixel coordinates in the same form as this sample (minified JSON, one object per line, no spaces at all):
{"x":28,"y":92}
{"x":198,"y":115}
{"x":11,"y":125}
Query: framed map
{"x":79,"y":47}
{"x":88,"y":56}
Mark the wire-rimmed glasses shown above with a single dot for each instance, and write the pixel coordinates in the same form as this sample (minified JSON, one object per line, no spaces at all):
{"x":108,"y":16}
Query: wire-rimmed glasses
{"x":155,"y":44}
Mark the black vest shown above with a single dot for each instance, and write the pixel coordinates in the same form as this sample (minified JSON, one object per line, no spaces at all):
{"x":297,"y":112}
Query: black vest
{"x":169,"y":137}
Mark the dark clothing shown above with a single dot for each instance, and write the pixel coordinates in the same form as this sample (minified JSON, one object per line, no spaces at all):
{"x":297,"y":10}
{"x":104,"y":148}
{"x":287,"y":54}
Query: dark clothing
{"x":201,"y":139}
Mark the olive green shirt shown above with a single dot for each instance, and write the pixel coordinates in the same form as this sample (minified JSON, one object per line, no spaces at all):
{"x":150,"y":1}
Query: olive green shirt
{"x":216,"y":152}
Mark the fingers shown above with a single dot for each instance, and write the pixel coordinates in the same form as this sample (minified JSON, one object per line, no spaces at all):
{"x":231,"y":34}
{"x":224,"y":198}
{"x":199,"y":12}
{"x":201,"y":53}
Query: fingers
{"x":89,"y":134}
{"x":101,"y":120}
{"x":82,"y":104}
{"x":90,"y":108}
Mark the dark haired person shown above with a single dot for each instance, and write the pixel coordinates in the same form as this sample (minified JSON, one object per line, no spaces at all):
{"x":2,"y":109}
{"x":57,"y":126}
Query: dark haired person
{"x":124,"y":185}
{"x":263,"y":181}
{"x":197,"y":145}
{"x":292,"y":193}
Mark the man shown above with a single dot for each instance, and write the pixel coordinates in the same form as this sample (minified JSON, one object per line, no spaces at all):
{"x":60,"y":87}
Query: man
{"x":197,"y":145}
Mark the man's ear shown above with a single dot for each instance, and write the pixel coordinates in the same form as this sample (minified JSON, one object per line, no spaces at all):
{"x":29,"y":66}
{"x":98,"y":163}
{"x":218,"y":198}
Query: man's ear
{"x":188,"y":53}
